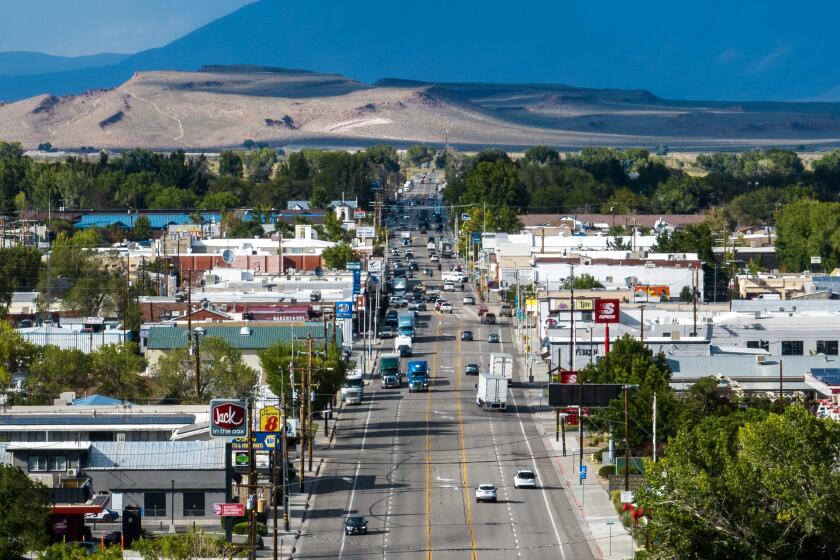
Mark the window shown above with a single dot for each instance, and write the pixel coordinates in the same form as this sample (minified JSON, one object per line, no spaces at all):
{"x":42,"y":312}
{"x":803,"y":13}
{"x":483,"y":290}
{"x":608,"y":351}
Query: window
{"x":759,"y":344}
{"x":608,"y":279}
{"x":37,"y":463}
{"x":792,"y":348}
{"x":827,"y":347}
{"x":154,"y":504}
{"x":193,"y":504}
{"x":58,"y":463}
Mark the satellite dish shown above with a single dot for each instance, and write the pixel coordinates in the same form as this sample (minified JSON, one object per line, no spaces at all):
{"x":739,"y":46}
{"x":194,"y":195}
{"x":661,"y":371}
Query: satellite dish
{"x":319,"y":272}
{"x":228,"y":256}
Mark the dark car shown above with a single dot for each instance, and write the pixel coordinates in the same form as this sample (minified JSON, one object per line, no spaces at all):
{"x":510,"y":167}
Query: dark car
{"x":467,"y":335}
{"x":494,"y":338}
{"x":471,"y":369}
{"x":355,"y":525}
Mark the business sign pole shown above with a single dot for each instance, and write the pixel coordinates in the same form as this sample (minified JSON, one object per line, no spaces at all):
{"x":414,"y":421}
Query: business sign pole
{"x":607,"y":311}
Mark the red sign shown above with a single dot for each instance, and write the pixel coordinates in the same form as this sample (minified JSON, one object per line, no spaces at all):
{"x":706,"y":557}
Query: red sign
{"x":606,"y":310}
{"x":228,"y":418}
{"x":568,"y":377}
{"x":229,"y":510}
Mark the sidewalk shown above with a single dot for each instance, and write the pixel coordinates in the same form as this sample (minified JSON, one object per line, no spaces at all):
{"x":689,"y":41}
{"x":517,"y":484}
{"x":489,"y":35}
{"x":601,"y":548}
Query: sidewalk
{"x":593,"y":508}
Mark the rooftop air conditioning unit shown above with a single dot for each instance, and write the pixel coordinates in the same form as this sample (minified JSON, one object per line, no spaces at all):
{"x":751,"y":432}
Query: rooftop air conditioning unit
{"x":72,"y":472}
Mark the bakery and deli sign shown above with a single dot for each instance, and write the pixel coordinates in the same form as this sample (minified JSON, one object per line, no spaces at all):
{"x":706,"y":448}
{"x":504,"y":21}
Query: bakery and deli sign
{"x":229,"y":418}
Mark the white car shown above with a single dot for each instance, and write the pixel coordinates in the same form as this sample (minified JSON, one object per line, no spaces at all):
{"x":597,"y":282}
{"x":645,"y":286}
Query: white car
{"x":485,"y":493}
{"x":469,"y":300}
{"x":446,"y":308}
{"x":449,"y":287}
{"x":435,"y":258}
{"x":524,"y":478}
{"x":106,"y":515}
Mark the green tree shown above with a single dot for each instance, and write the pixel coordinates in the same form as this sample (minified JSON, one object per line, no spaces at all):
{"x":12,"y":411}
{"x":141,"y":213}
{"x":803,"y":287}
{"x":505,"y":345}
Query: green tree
{"x":583,"y":282}
{"x":230,"y":164}
{"x":693,"y":238}
{"x":19,"y":270}
{"x":747,"y":485}
{"x":328,"y":368}
{"x":678,"y":195}
{"x":496,"y":184}
{"x":624,"y":201}
{"x":338,"y":256}
{"x":56,"y":370}
{"x":541,"y":155}
{"x":167,"y":198}
{"x":222,"y":373}
{"x":418,"y":154}
{"x":24,"y":524}
{"x":332,"y":228}
{"x":808,"y":228}
{"x":141,"y":230}
{"x":298,"y":167}
{"x":219,"y":201}
{"x":116,"y":370}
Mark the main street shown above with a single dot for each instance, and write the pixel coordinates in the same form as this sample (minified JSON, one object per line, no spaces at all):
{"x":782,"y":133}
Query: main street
{"x":410,"y":462}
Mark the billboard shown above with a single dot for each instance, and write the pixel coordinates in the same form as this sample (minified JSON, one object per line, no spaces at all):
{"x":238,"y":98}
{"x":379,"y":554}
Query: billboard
{"x":594,"y":394}
{"x":607,"y":310}
{"x":229,"y":418}
{"x":344,"y":310}
{"x":365,"y":232}
{"x":262,"y":441}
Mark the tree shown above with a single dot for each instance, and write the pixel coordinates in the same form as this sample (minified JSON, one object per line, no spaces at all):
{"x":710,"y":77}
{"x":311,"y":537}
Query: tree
{"x":678,"y":195}
{"x":219,"y":201}
{"x":141,"y":230}
{"x":24,"y":524}
{"x":15,"y":353}
{"x":630,"y":362}
{"x":496,"y":184}
{"x":693,"y":238}
{"x":298,"y":167}
{"x":19,"y":270}
{"x":808,"y":228}
{"x":418,"y":154}
{"x":338,"y":256}
{"x":327,"y":368}
{"x":230,"y":164}
{"x":747,"y":485}
{"x":222,"y":373}
{"x":56,"y":370}
{"x":116,"y":371}
{"x":333,"y":228}
{"x":624,"y":201}
{"x":167,"y":198}
{"x":541,"y":155}
{"x":583,"y":282}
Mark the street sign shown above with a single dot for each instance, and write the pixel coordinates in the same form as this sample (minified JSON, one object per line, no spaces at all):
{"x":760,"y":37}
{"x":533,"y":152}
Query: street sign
{"x":465,"y":217}
{"x":475,"y":238}
{"x":816,"y":260}
{"x":583,"y":472}
{"x":626,"y":496}
{"x":228,"y":418}
{"x":353,"y":266}
{"x":606,"y":310}
{"x":229,"y":510}
{"x":344,"y":310}
{"x":357,"y":281}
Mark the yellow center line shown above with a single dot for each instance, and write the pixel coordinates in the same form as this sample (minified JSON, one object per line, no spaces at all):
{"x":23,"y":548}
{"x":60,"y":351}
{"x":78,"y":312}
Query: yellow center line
{"x":464,"y":479}
{"x":429,"y":450}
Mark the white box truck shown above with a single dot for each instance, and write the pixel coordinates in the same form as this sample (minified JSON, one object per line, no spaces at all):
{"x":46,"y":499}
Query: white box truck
{"x":492,"y":392}
{"x":403,"y":346}
{"x":501,"y":364}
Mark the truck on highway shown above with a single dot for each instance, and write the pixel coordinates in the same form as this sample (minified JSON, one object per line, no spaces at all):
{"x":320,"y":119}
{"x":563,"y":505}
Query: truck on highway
{"x":501,"y":364}
{"x":418,"y":376}
{"x":491,"y":391}
{"x":389,"y":371}
{"x":406,"y":324}
{"x":446,"y":249}
{"x":403,"y":346}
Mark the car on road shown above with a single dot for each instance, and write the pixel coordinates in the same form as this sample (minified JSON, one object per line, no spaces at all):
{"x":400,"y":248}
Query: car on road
{"x":355,"y":525}
{"x":449,"y":287}
{"x":438,"y":303}
{"x":106,"y":516}
{"x":471,"y":369}
{"x":469,"y":300}
{"x":353,"y":396}
{"x":505,"y":310}
{"x":417,"y":306}
{"x":482,"y":310}
{"x":493,"y":338}
{"x":446,"y":307}
{"x":397,"y":301}
{"x":488,"y":319}
{"x":467,"y":335}
{"x":524,"y":478}
{"x":435,"y":258}
{"x":485,"y":493}
{"x":387,"y":332}
{"x":428,"y":272}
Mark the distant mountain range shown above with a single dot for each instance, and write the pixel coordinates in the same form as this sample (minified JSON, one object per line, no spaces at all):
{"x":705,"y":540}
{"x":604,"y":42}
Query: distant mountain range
{"x":222,"y":106}
{"x":720,"y":51}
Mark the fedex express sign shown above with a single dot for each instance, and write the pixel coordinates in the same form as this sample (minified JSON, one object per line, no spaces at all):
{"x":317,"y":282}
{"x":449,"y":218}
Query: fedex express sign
{"x":229,"y":418}
{"x":606,"y":310}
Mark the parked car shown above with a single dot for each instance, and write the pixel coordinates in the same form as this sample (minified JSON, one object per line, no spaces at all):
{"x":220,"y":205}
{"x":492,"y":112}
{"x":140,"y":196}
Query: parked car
{"x":471,"y":369}
{"x":467,"y":335}
{"x":106,"y":516}
{"x":493,"y":339}
{"x":355,"y":525}
{"x":485,"y":493}
{"x":469,"y":300}
{"x":524,"y":478}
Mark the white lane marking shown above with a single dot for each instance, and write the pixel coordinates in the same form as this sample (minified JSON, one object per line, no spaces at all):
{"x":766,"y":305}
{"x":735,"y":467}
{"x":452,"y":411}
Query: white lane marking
{"x":542,"y":488}
{"x":358,"y":467}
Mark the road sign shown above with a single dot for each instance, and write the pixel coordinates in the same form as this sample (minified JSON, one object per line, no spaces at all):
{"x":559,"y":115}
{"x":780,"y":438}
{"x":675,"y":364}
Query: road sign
{"x":344,"y":310}
{"x":353,"y":266}
{"x":606,"y":310}
{"x":228,"y":418}
{"x":465,"y":217}
{"x":583,"y":472}
{"x":626,"y":496}
{"x":229,"y":510}
{"x":357,"y":281}
{"x":475,"y":238}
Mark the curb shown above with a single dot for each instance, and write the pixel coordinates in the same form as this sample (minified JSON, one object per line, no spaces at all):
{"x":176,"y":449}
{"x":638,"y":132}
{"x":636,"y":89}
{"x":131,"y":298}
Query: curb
{"x":306,"y":505}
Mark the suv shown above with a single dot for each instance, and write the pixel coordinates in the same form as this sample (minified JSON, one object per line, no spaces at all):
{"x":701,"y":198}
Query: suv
{"x":467,"y":335}
{"x":505,"y":310}
{"x":488,"y":319}
{"x":469,"y":300}
{"x":524,"y":478}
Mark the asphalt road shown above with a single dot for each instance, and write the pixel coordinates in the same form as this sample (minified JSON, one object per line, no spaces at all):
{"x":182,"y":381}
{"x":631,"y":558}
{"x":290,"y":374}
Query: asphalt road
{"x":410,"y":462}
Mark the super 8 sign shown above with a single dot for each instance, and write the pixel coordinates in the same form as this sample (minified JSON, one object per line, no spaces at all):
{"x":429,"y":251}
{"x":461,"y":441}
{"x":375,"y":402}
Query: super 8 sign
{"x":270,"y":419}
{"x":606,"y":310}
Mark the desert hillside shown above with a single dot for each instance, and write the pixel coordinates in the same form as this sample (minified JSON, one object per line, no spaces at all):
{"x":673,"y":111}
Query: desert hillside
{"x":223,"y":106}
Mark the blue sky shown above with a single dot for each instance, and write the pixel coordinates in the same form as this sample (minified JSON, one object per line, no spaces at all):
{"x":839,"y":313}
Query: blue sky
{"x":76,"y":27}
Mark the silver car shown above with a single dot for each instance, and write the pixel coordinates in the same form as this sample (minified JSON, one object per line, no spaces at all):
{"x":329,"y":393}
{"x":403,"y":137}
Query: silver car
{"x":485,"y":493}
{"x":524,"y":478}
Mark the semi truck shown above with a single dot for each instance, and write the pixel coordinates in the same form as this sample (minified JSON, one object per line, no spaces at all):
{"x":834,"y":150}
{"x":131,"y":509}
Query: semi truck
{"x":446,"y":249}
{"x":389,"y":371}
{"x":501,"y":364}
{"x":406,"y":324}
{"x":491,"y":392}
{"x":403,"y":346}
{"x":418,"y":376}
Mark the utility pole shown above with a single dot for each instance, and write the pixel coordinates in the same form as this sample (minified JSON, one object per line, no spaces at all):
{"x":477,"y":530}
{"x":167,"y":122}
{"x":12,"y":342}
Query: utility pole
{"x":197,"y":343}
{"x":563,"y":432}
{"x":626,"y":441}
{"x":781,"y":388}
{"x":303,"y":427}
{"x":252,"y":485}
{"x":309,"y":438}
{"x":695,"y":283}
{"x":284,"y":458}
{"x":654,"y":427}
{"x":572,"y":327}
{"x":642,"y":325}
{"x":580,"y":425}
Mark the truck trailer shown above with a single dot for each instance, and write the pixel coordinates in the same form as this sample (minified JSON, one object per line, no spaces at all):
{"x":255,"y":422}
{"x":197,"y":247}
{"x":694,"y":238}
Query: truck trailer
{"x":491,"y":392}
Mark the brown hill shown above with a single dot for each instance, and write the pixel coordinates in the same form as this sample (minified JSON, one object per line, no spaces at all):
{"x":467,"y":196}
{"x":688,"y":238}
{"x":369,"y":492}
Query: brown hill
{"x":222,"y":106}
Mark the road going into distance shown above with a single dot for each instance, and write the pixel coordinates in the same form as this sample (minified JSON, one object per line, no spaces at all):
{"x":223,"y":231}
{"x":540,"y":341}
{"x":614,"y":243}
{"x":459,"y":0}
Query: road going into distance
{"x":410,"y":462}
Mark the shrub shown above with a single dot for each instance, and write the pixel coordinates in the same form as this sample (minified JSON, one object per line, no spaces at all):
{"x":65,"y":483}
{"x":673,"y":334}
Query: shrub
{"x":242,"y":528}
{"x":606,"y":470}
{"x":192,"y":544}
